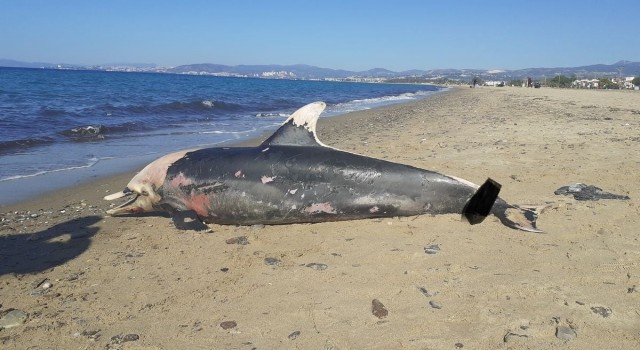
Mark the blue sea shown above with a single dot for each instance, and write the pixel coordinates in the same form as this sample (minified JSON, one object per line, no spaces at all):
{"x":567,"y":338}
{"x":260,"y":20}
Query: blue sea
{"x":60,"y":127}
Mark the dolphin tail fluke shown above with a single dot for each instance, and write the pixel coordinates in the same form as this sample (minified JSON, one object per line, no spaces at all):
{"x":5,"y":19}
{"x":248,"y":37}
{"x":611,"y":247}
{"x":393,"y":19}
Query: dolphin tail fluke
{"x":519,"y":217}
{"x":480,"y":204}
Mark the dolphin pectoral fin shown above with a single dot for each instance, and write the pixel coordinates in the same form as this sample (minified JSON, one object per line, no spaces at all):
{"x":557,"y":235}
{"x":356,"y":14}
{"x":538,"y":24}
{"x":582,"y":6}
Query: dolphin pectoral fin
{"x":480,"y":204}
{"x":187,"y":220}
{"x":521,"y":217}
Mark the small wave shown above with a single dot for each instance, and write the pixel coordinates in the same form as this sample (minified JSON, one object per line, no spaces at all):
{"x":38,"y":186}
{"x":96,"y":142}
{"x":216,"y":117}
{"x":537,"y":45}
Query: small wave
{"x":271,"y":115}
{"x":91,"y":162}
{"x":219,"y":132}
{"x":401,"y":97}
{"x":368,"y":103}
{"x":85,"y":133}
{"x":99,"y":132}
{"x":13,"y":145}
{"x":181,"y":107}
{"x":51,"y":112}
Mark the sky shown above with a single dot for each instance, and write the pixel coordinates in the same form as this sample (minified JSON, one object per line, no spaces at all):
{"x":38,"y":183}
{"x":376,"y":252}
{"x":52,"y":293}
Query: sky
{"x":340,"y":34}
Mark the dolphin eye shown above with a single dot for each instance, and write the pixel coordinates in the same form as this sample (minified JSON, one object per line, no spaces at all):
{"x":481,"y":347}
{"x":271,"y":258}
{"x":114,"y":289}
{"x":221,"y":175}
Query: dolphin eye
{"x":144,"y":193}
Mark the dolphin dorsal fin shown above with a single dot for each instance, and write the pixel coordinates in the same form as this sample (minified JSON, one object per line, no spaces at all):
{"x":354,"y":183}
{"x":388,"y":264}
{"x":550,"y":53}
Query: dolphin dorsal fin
{"x":299,"y":129}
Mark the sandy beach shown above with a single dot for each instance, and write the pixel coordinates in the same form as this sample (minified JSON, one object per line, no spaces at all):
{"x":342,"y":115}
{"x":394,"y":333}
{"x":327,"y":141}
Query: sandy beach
{"x":77,"y":279}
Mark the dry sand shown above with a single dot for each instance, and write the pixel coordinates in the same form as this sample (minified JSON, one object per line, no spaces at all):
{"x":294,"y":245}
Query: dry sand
{"x":138,"y":283}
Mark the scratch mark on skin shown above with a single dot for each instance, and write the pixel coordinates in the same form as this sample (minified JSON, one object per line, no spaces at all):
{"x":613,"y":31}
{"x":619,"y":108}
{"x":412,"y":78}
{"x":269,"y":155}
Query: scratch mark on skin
{"x":266,"y":149}
{"x":293,"y":191}
{"x":317,"y":208}
{"x":374,"y":210}
{"x":266,"y":179}
{"x":180,"y":180}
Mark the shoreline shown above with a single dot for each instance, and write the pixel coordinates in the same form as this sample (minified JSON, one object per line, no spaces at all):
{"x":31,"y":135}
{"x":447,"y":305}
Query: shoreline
{"x":485,"y":286}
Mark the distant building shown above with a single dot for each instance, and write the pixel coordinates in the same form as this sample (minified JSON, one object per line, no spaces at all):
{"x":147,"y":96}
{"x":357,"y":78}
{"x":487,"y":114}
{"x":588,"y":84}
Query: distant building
{"x":628,"y":83}
{"x":498,"y":83}
{"x":586,"y":84}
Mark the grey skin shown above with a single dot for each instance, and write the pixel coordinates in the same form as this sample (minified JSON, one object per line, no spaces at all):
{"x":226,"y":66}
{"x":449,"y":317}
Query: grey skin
{"x":293,"y":178}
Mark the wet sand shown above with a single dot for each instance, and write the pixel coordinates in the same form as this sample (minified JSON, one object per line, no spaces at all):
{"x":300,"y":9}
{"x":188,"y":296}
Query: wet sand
{"x":138,"y":283}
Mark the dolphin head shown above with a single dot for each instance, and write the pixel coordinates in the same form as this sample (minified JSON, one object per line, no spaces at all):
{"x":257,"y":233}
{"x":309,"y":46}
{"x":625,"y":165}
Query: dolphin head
{"x":145,"y":187}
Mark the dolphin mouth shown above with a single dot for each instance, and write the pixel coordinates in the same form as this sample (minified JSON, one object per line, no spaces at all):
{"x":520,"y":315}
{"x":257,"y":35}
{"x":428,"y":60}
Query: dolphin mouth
{"x":122,"y":207}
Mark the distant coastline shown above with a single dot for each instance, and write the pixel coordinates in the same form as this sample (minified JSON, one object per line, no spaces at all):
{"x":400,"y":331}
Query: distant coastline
{"x":619,"y":70}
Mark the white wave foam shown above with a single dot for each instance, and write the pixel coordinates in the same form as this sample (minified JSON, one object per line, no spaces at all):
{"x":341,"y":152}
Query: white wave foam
{"x":219,"y":132}
{"x":267,"y":115}
{"x":368,"y":103}
{"x":91,"y":162}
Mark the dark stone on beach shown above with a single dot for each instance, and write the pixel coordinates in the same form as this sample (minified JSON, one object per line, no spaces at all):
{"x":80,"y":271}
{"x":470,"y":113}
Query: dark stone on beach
{"x":224,"y":269}
{"x":565,"y":333}
{"x":602,"y":311}
{"x":317,"y":266}
{"x":378,"y":310}
{"x":583,"y":192}
{"x":432,"y":249}
{"x":123,"y":338}
{"x":294,"y":335}
{"x":510,"y":336}
{"x":459,"y":345}
{"x":241,"y":240}
{"x":228,"y":325}
{"x":93,"y":334}
{"x":427,"y":293}
{"x":272,"y":261}
{"x":435,"y":304}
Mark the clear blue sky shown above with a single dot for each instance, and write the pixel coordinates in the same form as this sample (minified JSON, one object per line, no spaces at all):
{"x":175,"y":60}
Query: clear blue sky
{"x":339,"y":34}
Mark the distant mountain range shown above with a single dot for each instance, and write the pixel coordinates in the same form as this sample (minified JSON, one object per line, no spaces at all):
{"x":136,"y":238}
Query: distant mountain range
{"x":301,"y":71}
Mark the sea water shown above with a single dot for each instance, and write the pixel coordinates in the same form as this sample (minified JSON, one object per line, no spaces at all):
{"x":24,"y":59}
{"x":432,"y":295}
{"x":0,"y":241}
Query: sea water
{"x":59,"y":127}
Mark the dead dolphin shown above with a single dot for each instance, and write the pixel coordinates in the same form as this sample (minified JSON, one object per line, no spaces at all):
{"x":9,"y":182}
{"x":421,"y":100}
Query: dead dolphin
{"x":293,"y":178}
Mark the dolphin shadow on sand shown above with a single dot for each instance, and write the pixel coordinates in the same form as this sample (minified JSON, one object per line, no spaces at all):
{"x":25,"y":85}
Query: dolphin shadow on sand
{"x":39,"y":251}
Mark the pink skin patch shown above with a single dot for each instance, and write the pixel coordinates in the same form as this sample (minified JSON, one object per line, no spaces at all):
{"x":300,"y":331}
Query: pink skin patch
{"x":180,"y":180}
{"x":200,"y":204}
{"x":267,"y":179}
{"x":374,"y":210}
{"x":238,"y":173}
{"x":316,"y":208}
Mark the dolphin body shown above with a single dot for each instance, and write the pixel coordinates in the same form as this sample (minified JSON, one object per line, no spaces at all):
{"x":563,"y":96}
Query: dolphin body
{"x":293,"y":178}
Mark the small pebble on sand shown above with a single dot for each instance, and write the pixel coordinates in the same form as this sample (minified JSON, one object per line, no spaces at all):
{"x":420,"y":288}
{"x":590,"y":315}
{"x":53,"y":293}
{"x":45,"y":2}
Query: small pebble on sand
{"x":13,"y":318}
{"x":378,"y":309}
{"x":435,"y":304}
{"x":602,"y":311}
{"x":317,"y":266}
{"x":272,"y":261}
{"x":294,"y":335}
{"x":240,"y":240}
{"x":432,"y":249}
{"x":565,"y":333}
{"x":228,"y":325}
